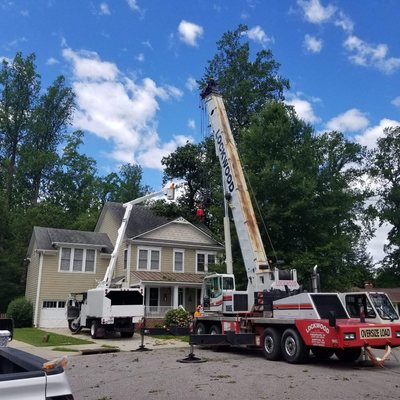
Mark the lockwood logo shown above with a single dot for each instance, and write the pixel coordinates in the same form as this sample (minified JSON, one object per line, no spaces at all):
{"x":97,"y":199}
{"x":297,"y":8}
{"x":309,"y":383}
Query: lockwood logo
{"x":375,"y":333}
{"x":224,"y":162}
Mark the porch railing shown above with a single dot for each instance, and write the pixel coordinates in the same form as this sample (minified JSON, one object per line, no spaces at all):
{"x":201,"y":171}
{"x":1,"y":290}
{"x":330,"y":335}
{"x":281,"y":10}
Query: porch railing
{"x":156,"y":311}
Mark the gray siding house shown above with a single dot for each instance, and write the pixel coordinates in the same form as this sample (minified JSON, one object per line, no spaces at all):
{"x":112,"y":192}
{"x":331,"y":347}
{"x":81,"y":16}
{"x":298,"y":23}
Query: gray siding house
{"x":168,"y":257}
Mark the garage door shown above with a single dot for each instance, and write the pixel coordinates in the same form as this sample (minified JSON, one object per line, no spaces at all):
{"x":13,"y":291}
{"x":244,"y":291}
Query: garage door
{"x":53,"y":315}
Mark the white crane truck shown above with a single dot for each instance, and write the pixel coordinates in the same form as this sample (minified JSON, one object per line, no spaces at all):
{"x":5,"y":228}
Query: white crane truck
{"x":107,"y":308}
{"x":272,"y":313}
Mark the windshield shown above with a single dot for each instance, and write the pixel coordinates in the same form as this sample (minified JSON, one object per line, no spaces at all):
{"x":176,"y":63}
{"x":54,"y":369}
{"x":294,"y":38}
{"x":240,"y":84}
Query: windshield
{"x":383,"y":306}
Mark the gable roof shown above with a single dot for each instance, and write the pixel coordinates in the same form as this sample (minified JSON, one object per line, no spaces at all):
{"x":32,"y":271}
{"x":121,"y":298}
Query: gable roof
{"x":143,"y":220}
{"x":50,"y":238}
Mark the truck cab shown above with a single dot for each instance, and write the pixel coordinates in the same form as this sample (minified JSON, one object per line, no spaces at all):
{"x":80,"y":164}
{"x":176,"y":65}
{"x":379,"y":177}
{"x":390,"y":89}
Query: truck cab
{"x":376,"y":307}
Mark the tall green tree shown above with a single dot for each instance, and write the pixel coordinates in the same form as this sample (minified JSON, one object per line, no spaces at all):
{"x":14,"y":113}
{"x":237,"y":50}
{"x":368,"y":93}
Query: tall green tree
{"x":49,"y":120}
{"x":124,"y":186}
{"x":385,"y":170}
{"x":19,"y":88}
{"x":302,"y":184}
{"x":245,"y":84}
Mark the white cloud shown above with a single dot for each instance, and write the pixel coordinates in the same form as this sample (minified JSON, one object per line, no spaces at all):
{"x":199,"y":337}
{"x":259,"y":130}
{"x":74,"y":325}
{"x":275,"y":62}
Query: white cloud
{"x":113,"y":106}
{"x":25,"y":13}
{"x":190,"y":33}
{"x":396,"y":101}
{"x":344,"y":22}
{"x":152,"y":155}
{"x":312,"y":44}
{"x":258,"y":35}
{"x":191,"y":84}
{"x":140,"y":57}
{"x":52,"y":61}
{"x":147,"y":43}
{"x":87,"y":65}
{"x":314,"y":12}
{"x":370,"y":136}
{"x":133,"y":5}
{"x":191,"y":124}
{"x":350,"y":121}
{"x":366,"y":54}
{"x":104,"y":9}
{"x":303,"y":109}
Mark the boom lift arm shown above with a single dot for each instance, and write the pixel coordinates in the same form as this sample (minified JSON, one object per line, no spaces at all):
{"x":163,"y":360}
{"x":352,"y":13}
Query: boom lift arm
{"x":169,"y":192}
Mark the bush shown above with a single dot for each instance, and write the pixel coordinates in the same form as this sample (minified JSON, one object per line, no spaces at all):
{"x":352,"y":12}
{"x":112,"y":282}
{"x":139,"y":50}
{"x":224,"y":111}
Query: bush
{"x":177,"y":317}
{"x":21,"y":310}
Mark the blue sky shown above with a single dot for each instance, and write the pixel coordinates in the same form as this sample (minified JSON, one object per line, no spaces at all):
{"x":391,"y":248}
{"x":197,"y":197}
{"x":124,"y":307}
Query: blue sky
{"x":133,"y":63}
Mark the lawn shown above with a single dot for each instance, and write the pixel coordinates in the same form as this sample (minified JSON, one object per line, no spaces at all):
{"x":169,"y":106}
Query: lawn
{"x":37,"y":337}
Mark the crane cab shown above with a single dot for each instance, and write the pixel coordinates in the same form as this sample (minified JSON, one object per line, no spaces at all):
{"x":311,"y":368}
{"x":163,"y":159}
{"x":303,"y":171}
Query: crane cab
{"x":375,"y":307}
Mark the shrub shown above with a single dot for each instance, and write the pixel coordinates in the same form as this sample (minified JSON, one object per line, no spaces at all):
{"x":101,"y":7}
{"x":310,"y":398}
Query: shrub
{"x":21,"y":310}
{"x":178,"y":317}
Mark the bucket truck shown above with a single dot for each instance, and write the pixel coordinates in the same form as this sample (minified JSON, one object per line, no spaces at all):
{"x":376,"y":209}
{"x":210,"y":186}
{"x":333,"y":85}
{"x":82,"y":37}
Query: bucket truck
{"x":107,"y":308}
{"x":272,"y":314}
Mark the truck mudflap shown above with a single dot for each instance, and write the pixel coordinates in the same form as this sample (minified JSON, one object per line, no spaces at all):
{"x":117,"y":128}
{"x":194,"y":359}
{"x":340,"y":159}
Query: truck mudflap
{"x":227,"y":339}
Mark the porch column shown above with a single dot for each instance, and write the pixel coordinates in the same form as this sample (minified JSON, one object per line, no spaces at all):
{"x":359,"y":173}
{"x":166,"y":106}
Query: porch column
{"x":175,"y":297}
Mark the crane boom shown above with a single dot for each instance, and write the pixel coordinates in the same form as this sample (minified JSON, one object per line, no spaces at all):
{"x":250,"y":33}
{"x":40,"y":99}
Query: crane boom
{"x":236,"y":191}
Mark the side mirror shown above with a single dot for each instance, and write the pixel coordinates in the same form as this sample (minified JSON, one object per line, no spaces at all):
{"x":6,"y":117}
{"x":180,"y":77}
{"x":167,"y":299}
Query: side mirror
{"x":332,"y":318}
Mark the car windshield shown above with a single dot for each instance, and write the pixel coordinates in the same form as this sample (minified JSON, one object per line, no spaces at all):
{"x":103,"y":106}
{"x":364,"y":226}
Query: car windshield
{"x":384,"y":306}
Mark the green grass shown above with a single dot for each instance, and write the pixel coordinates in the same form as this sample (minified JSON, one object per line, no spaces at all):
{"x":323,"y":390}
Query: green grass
{"x":167,"y":337}
{"x":36,"y":336}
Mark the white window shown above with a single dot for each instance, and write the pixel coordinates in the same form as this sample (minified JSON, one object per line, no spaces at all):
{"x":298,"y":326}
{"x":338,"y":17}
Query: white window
{"x":204,"y":261}
{"x":77,"y":260}
{"x":148,"y":259}
{"x":179,"y":259}
{"x":53,"y":304}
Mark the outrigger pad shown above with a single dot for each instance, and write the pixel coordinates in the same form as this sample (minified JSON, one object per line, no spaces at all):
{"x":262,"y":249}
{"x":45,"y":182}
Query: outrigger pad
{"x":191,"y":358}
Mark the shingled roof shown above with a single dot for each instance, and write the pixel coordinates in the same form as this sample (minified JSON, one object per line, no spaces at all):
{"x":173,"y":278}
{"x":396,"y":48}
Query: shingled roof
{"x":48,"y":238}
{"x":142,"y":219}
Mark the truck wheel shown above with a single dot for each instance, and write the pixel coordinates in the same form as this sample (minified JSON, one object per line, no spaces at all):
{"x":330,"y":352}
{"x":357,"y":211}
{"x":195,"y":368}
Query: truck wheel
{"x":126,"y":334}
{"x":215,"y":330}
{"x":294,"y":349}
{"x":74,"y":327}
{"x":96,"y":330}
{"x":200,"y":329}
{"x":348,"y":355}
{"x":271,"y":348}
{"x":322,"y":353}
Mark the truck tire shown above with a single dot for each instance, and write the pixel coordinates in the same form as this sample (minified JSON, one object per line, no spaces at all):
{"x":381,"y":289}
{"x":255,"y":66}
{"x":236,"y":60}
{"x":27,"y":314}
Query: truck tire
{"x":215,"y":330}
{"x":294,"y":349}
{"x":348,"y":355}
{"x":73,"y":326}
{"x":322,"y":353}
{"x":271,"y":345}
{"x":126,"y":334}
{"x":96,"y":330}
{"x":200,"y":329}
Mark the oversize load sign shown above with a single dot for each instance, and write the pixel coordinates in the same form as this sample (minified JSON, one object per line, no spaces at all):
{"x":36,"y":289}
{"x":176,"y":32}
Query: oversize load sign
{"x":375,"y":333}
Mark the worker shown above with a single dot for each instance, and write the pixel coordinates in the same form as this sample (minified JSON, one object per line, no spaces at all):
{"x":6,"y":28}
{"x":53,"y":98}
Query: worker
{"x":198,"y":312}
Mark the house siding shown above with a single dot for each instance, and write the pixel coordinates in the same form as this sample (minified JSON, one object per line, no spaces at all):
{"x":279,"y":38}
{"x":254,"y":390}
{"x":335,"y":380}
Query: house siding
{"x":180,"y":232}
{"x":32,"y":277}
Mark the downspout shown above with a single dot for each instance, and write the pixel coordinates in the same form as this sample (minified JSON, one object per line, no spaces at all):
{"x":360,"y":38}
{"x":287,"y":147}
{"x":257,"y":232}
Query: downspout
{"x":39,"y":284}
